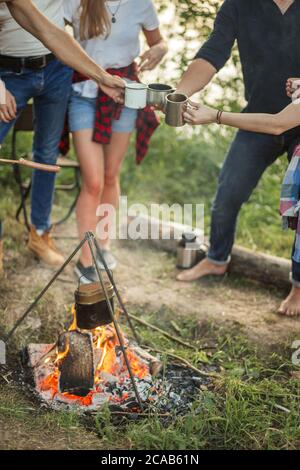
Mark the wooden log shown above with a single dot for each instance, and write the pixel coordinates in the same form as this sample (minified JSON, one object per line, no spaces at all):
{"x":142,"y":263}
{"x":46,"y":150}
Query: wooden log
{"x":266,"y":269}
{"x":76,"y":363}
{"x":155,"y":365}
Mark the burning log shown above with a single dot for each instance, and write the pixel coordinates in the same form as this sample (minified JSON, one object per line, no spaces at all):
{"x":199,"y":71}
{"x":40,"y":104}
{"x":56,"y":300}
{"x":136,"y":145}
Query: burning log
{"x":76,"y":363}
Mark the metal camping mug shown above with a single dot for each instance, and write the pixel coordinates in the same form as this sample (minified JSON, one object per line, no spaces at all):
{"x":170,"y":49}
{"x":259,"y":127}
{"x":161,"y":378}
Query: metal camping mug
{"x":135,"y":95}
{"x":157,"y":93}
{"x":175,"y":106}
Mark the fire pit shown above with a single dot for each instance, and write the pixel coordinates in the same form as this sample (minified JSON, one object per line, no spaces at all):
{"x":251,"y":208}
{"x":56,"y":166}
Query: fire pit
{"x":171,"y":389}
{"x":93,"y":364}
{"x":87,"y":369}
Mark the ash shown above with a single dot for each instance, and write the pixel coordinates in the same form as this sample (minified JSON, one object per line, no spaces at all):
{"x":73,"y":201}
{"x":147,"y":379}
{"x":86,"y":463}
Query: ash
{"x":173,"y":390}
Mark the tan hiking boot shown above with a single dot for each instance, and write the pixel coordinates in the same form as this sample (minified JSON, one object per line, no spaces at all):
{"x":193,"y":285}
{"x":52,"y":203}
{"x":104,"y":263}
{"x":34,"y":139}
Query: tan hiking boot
{"x":1,"y":258}
{"x":49,"y":241}
{"x":40,"y":247}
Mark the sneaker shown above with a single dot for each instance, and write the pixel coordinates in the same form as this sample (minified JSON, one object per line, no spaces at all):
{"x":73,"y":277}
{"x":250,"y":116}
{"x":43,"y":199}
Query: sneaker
{"x":39,"y":246}
{"x":109,"y":259}
{"x":86,"y":275}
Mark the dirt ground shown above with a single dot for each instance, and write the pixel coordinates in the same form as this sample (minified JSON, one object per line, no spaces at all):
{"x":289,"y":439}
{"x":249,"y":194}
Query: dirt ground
{"x":146,"y":278}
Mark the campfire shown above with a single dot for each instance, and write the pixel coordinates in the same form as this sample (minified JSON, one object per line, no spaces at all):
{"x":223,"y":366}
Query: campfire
{"x":92,"y":363}
{"x":86,"y":367}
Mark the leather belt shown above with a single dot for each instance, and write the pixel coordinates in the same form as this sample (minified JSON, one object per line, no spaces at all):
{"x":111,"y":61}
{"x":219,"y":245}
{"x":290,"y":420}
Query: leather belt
{"x":16,"y":64}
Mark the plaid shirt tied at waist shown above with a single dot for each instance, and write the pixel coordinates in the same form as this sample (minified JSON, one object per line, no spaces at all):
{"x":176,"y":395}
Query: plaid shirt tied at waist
{"x":290,"y":200}
{"x":107,"y":110}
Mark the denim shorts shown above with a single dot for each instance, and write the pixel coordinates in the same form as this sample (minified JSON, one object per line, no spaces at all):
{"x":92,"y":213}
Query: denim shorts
{"x":82,"y":115}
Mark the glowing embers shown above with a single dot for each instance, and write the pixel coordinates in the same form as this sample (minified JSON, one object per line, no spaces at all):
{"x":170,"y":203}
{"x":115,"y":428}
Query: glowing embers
{"x":87,"y":368}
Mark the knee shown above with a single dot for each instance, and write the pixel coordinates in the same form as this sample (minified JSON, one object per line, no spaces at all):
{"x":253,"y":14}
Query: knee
{"x":47,"y":155}
{"x":93,"y":188}
{"x":228,"y":201}
{"x":111,"y":179}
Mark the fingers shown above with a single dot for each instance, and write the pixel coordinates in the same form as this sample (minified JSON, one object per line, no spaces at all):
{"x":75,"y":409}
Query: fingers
{"x":295,"y":95}
{"x":189,"y":116}
{"x":150,"y":64}
{"x":193,"y":104}
{"x":12,"y":104}
{"x":2,"y":92}
{"x":149,"y":60}
{"x":292,"y":85}
{"x":118,"y":82}
{"x":143,"y":59}
{"x":113,"y":81}
{"x":7,"y":113}
{"x":118,"y":98}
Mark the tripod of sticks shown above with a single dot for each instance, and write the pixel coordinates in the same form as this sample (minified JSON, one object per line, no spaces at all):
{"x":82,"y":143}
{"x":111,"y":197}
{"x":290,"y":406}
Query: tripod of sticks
{"x":95,"y":250}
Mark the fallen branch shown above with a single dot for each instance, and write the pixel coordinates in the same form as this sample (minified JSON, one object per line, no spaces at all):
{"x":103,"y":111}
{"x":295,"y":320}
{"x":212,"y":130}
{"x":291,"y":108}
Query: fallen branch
{"x":187,"y":363}
{"x":159,"y":330}
{"x":142,"y":415}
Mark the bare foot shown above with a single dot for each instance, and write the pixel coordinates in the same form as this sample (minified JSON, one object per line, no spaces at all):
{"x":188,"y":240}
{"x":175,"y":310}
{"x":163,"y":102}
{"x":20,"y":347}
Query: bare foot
{"x":291,"y":305}
{"x":204,"y":268}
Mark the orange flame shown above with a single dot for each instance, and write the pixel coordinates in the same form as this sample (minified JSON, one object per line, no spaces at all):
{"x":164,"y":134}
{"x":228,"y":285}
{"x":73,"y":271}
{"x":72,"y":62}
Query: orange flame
{"x":110,"y":361}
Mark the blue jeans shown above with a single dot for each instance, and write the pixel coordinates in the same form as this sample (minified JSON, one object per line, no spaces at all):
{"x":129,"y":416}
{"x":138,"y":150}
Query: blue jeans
{"x":50,"y":89}
{"x":82,"y":113}
{"x":249,"y":156}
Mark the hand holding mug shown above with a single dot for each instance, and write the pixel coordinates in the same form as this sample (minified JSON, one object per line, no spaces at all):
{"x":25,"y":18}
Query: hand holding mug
{"x":196,"y":113}
{"x":113,"y":86}
{"x":293,"y":88}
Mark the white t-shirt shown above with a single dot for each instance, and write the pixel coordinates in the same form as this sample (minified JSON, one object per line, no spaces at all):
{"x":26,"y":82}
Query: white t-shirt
{"x":122,"y":46}
{"x":15,"y":41}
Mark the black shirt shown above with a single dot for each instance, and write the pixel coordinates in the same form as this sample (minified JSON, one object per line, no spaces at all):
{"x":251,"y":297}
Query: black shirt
{"x":269,"y":47}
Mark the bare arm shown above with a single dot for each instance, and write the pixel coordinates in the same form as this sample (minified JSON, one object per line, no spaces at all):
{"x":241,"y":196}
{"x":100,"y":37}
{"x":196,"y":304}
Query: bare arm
{"x":157,"y":50}
{"x":197,"y":76}
{"x":62,"y":44}
{"x":214,"y":53}
{"x":275,"y":124}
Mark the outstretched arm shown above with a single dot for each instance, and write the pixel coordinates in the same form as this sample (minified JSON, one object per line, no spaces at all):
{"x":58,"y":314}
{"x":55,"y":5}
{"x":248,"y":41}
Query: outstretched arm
{"x":214,"y":53}
{"x":198,"y":75}
{"x":275,"y":124}
{"x":63,"y":45}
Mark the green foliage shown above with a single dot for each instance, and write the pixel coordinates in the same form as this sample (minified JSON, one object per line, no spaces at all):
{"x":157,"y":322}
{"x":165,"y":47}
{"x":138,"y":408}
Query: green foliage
{"x":182,"y":169}
{"x":190,"y":23}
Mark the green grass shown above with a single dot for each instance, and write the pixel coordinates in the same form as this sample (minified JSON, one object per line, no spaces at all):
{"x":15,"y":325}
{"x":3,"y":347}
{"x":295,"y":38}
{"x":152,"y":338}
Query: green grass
{"x":254,"y":405}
